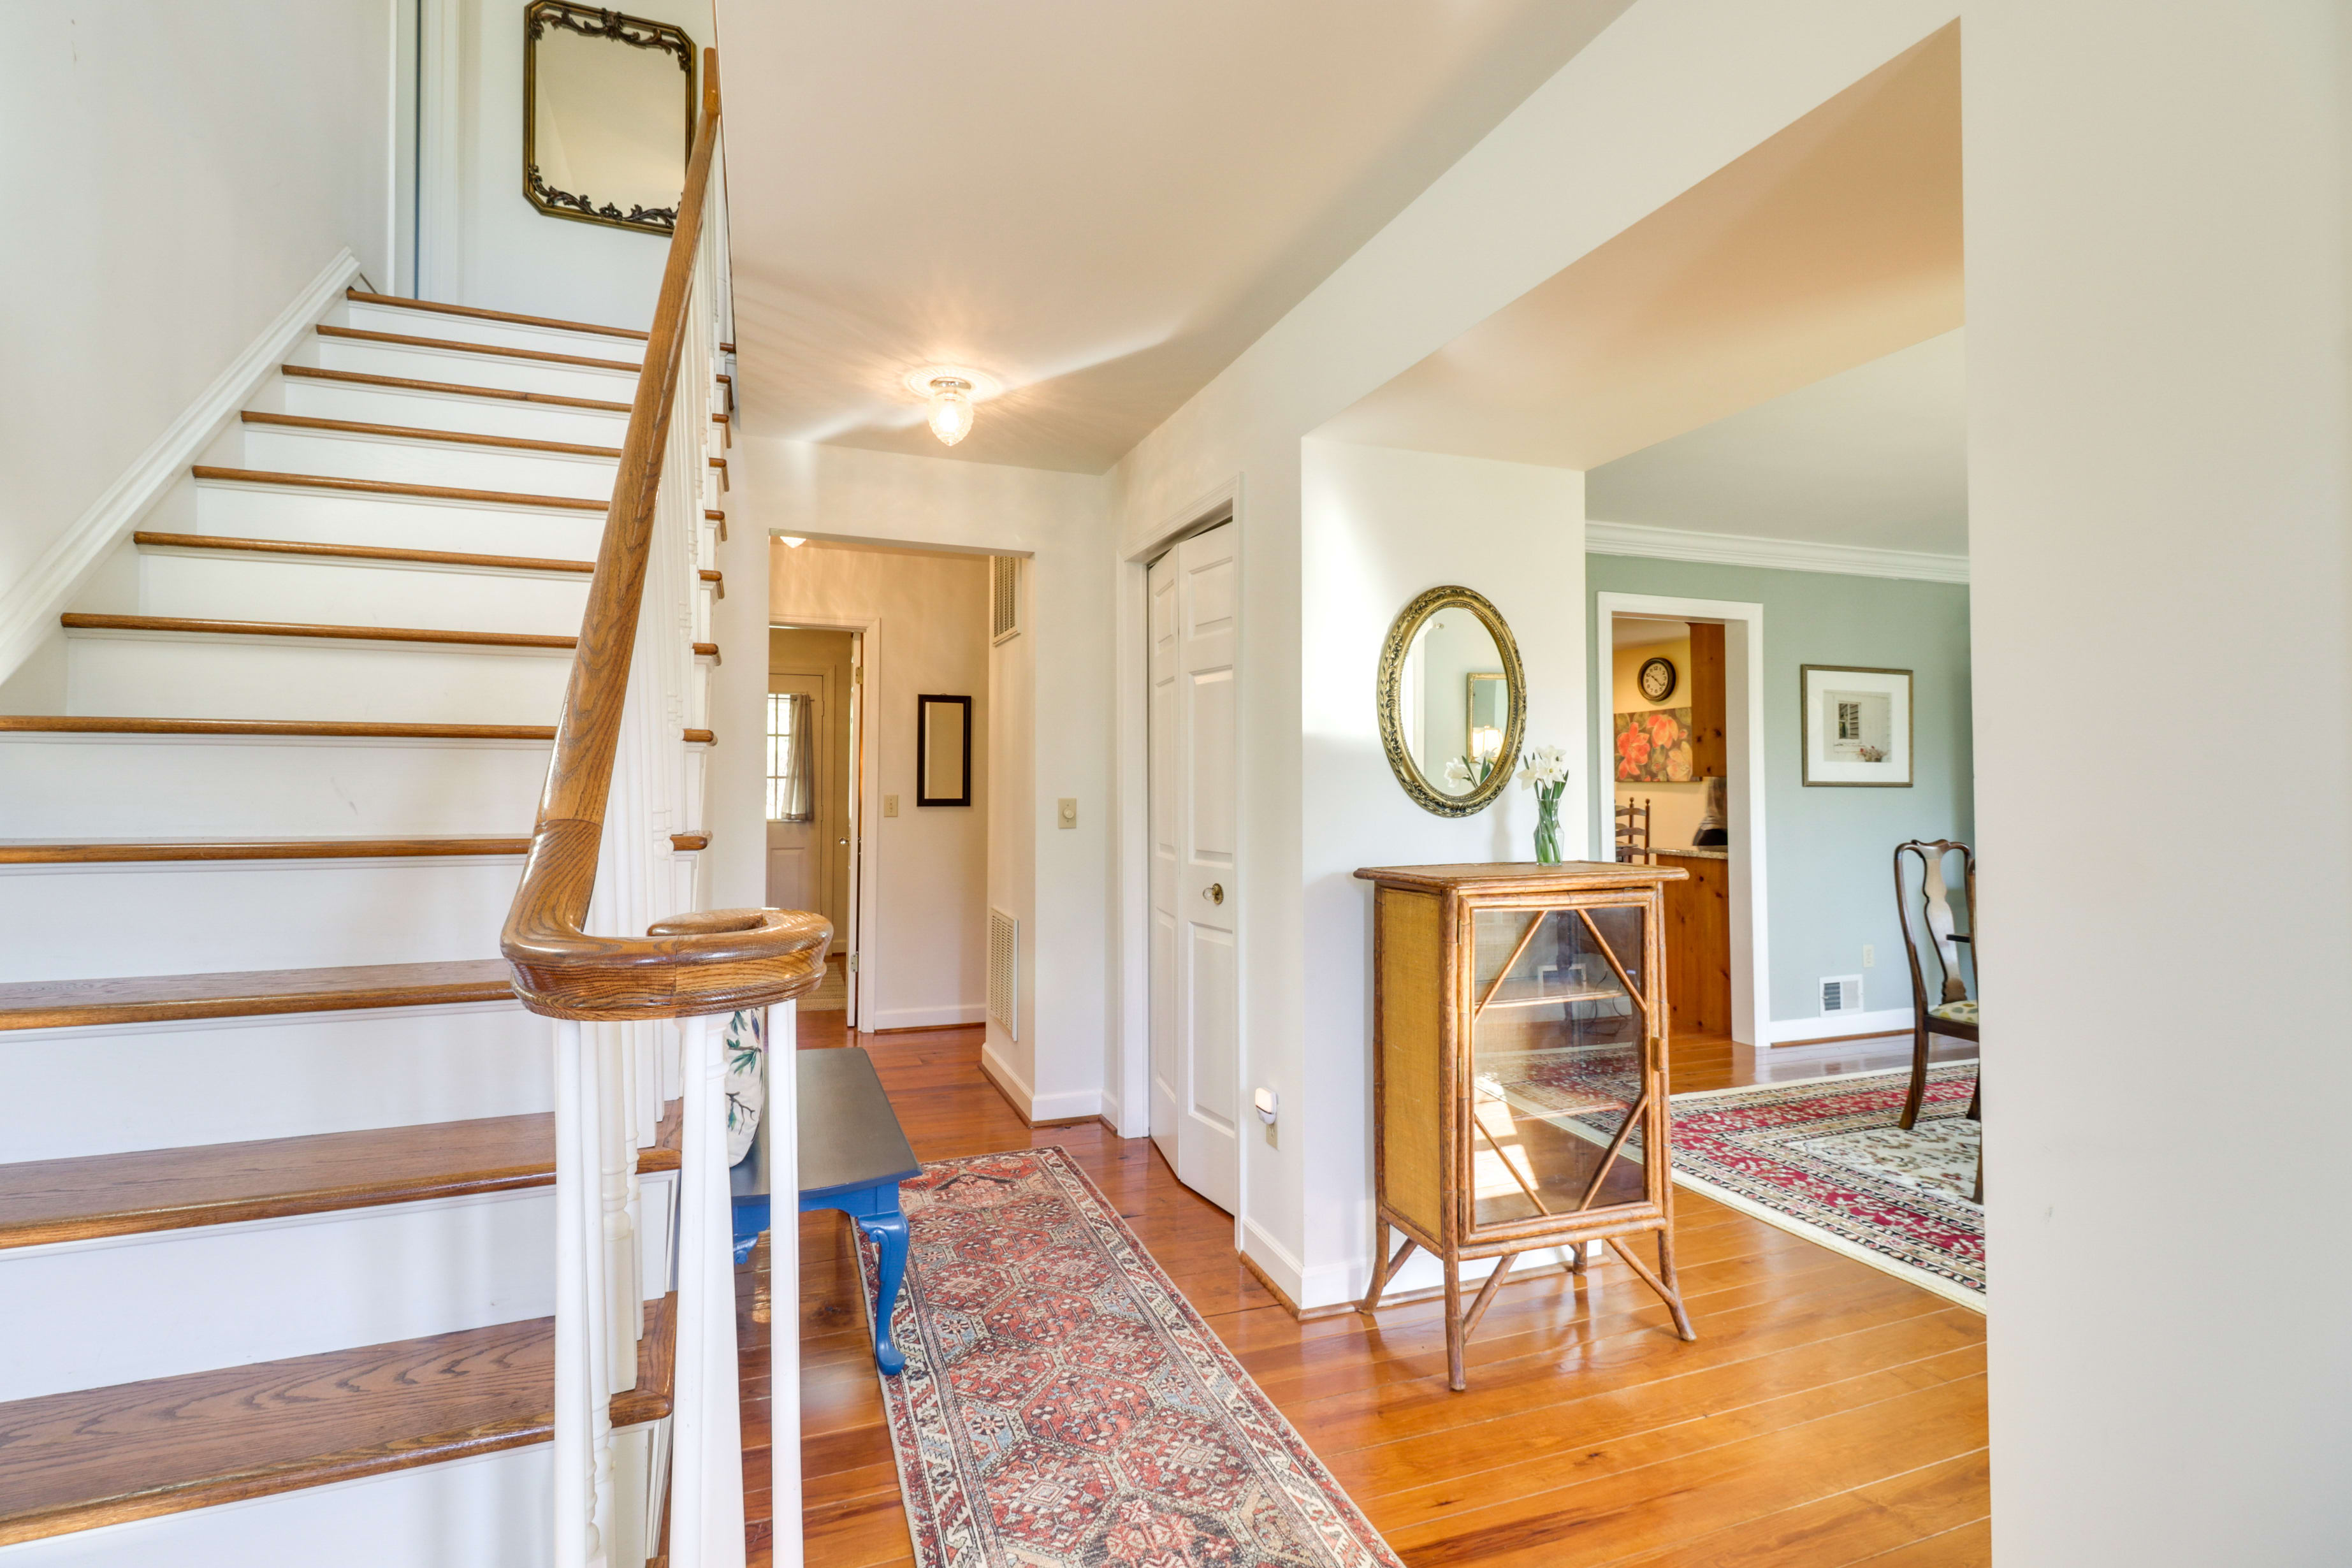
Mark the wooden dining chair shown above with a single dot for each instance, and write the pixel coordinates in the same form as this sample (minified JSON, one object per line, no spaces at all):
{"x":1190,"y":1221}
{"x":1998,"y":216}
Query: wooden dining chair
{"x":1943,"y":1006}
{"x":1633,"y":830}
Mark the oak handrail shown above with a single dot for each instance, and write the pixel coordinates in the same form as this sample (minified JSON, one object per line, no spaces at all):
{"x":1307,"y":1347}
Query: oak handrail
{"x":691,"y":964}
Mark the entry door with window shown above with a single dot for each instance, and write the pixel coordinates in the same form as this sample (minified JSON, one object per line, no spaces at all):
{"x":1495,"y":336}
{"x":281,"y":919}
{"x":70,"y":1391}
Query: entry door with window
{"x":796,"y":842}
{"x":1196,"y":1022}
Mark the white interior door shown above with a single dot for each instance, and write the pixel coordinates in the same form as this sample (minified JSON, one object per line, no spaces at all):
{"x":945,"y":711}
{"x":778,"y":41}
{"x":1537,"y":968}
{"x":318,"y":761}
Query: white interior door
{"x":1193,"y":592}
{"x":796,"y":850}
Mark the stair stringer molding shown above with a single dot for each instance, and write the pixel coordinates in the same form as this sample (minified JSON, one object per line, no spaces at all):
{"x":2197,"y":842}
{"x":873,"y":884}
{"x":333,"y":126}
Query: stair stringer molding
{"x":29,"y":609}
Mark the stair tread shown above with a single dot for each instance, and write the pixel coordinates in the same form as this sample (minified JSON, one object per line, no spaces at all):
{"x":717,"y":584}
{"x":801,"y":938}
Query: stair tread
{"x":450,"y":388}
{"x":360,"y":553}
{"x":78,"y":1198}
{"x":252,"y":993}
{"x":409,"y":340}
{"x":78,"y":851}
{"x":80,"y":621}
{"x":417,"y":433}
{"x":393,"y":488}
{"x":97,"y":1456}
{"x":478,"y":313}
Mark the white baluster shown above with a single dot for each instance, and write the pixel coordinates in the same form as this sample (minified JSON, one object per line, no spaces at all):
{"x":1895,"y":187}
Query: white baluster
{"x":707,"y":1506}
{"x":583,"y":1403}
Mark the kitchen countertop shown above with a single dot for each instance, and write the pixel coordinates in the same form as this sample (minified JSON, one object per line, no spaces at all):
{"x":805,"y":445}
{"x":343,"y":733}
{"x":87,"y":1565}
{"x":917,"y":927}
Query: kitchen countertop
{"x":1697,"y":851}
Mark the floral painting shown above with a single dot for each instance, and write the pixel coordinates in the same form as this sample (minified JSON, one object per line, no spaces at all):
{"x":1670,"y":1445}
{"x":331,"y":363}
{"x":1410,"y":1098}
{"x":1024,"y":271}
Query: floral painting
{"x":1654,"y":747}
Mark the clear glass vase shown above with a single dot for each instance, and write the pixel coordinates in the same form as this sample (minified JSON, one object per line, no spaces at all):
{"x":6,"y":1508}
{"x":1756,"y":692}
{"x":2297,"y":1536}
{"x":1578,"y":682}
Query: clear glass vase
{"x":1547,"y":832}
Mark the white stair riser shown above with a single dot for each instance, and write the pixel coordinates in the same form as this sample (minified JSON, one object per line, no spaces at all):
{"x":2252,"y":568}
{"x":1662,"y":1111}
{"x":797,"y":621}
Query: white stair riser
{"x":431,"y":411}
{"x":106,"y":786}
{"x":232,"y":1080}
{"x":90,"y":1314}
{"x":197,"y":916}
{"x":474,"y":370}
{"x":452,"y":463}
{"x":480,"y":330}
{"x":202,"y":676}
{"x":493,"y":1511}
{"x":242,"y":586}
{"x":327,"y":517}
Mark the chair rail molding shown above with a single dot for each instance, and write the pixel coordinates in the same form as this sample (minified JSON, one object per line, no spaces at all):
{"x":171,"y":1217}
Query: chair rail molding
{"x":1779,"y":554}
{"x":29,"y":609}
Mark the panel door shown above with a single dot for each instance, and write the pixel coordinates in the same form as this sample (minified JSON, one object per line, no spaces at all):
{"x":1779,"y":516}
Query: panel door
{"x":1201,"y":863}
{"x":796,"y":850}
{"x":1160,"y":590}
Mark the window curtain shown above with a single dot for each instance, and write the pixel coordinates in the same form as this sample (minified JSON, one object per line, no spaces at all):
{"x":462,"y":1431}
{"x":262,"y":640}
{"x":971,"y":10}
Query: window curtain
{"x":791,"y":758}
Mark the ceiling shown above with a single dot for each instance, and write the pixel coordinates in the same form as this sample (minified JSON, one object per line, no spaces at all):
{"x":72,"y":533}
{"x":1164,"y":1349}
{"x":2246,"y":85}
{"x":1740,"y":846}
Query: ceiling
{"x":1876,"y":455}
{"x":1636,"y":631}
{"x":1099,"y":204}
{"x":1829,"y":246}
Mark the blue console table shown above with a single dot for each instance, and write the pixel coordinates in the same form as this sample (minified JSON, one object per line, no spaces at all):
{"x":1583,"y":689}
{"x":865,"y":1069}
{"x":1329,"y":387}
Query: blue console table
{"x":853,"y":1155}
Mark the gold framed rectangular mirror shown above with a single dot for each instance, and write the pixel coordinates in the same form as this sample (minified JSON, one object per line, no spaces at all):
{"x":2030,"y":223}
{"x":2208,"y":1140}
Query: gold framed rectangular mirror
{"x":607,"y":115}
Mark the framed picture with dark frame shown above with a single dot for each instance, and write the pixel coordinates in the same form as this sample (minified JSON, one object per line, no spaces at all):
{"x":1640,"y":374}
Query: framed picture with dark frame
{"x":1857,"y":726}
{"x":943,"y":751}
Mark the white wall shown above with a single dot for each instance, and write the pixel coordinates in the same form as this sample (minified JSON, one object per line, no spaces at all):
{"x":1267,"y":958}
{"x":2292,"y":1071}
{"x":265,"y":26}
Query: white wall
{"x":1670,"y":92}
{"x":484,"y":243}
{"x":173,"y":176}
{"x":2159,"y":508}
{"x":927,"y":632}
{"x":1058,"y":522}
{"x":1378,"y":526}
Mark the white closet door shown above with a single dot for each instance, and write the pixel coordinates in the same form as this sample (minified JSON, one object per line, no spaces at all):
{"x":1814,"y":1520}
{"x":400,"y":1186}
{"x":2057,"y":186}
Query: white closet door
{"x":1195,"y":1000}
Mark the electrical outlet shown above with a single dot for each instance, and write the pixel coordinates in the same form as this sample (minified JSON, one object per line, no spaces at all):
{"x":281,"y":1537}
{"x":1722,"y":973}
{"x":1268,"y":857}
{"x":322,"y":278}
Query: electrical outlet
{"x":889,"y":806}
{"x":1068,"y":815}
{"x":1869,"y":955}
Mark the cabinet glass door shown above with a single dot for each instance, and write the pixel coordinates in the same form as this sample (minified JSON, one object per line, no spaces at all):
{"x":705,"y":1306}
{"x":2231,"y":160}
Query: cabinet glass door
{"x":1557,"y":1038}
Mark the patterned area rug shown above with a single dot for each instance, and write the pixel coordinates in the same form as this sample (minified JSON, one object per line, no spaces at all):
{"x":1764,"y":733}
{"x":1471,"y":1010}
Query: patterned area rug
{"x":1063,"y":1404}
{"x":1823,"y":1158}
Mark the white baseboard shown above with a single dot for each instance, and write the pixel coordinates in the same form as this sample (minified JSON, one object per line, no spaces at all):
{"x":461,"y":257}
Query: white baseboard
{"x":926,"y":1018}
{"x":1837,"y":1027}
{"x":1281,"y":1265}
{"x":1069,"y":1106}
{"x":29,"y":610}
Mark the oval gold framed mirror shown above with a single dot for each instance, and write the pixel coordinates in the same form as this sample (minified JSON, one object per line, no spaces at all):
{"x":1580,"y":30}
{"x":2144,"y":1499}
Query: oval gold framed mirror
{"x":1453,"y":702}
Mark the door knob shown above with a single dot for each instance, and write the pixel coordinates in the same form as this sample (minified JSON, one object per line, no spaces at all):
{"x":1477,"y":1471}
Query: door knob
{"x":1214,"y":892}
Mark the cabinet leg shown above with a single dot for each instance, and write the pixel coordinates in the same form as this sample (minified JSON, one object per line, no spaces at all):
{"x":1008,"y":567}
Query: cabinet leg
{"x":1666,"y":1292}
{"x":1383,"y":1266}
{"x":1453,"y":1378}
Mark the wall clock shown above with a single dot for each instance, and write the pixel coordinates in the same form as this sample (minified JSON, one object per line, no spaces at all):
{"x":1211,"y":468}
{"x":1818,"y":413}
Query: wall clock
{"x":1658,"y":678}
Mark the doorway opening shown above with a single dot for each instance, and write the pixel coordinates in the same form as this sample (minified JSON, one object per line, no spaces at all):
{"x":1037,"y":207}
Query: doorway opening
{"x":1678,"y":713}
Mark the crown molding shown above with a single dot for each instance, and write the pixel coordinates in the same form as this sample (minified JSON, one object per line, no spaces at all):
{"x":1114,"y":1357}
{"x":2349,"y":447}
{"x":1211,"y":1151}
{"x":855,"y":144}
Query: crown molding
{"x":1779,"y":554}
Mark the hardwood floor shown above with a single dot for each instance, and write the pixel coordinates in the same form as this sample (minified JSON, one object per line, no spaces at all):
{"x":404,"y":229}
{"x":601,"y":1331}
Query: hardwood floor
{"x":1829,"y":1414}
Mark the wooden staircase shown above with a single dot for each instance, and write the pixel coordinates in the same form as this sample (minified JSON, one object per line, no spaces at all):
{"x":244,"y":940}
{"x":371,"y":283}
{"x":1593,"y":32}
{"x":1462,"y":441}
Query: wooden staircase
{"x":276,"y":1241}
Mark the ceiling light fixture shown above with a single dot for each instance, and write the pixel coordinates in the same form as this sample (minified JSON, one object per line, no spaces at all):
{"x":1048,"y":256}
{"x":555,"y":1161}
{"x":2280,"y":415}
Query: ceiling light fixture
{"x":951,"y":390}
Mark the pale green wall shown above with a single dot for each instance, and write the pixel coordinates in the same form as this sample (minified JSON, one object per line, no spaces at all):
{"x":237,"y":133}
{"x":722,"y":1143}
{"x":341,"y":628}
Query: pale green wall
{"x":1828,"y":851}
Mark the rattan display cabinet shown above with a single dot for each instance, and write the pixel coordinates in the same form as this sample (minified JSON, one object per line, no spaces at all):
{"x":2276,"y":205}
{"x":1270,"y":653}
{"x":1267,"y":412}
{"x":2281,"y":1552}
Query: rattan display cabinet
{"x":1518,"y":1040}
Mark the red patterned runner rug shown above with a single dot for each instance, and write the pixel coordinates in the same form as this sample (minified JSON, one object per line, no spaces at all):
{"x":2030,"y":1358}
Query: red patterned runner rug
{"x":1063,"y":1404}
{"x":1823,"y":1158}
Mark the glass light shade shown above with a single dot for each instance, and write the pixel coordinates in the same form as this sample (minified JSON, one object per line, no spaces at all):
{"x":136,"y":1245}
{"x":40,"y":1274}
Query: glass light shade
{"x":951,"y":409}
{"x":790,"y":542}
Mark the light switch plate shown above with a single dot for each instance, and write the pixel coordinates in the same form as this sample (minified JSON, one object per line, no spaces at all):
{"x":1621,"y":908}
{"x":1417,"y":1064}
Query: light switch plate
{"x":1066,"y":813}
{"x":889,"y":806}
